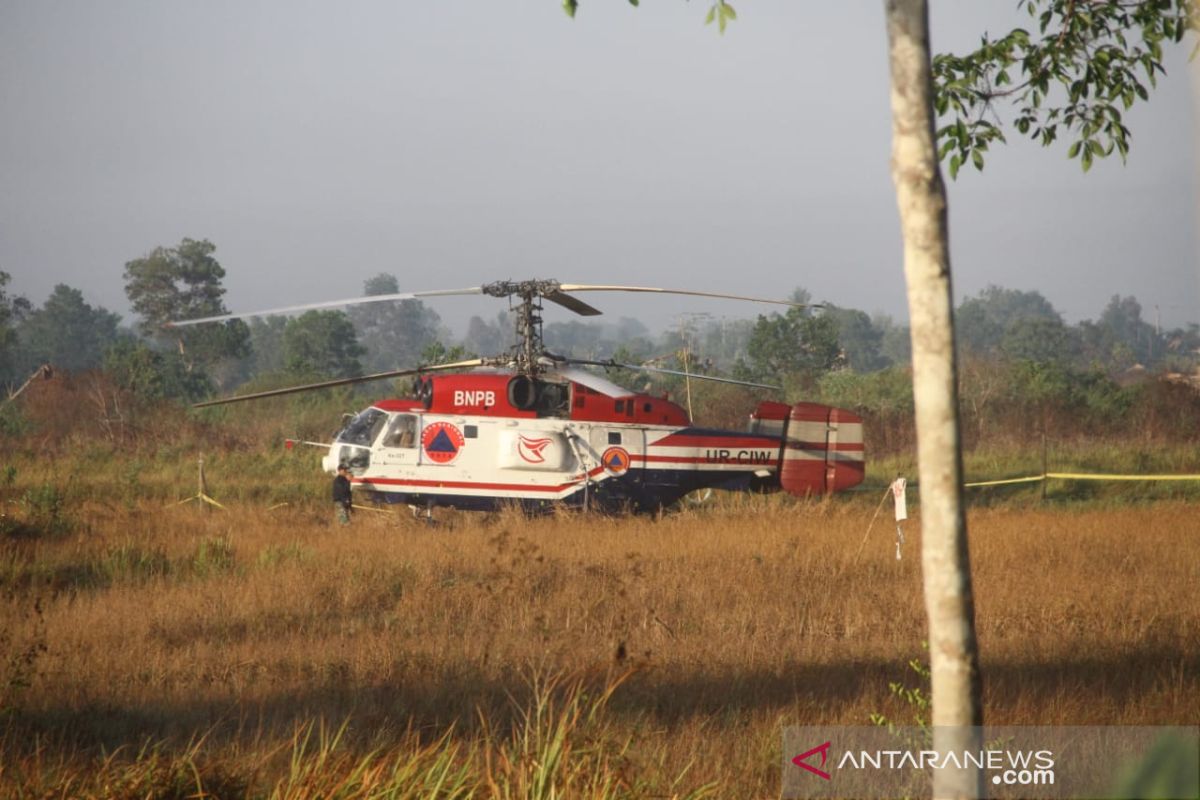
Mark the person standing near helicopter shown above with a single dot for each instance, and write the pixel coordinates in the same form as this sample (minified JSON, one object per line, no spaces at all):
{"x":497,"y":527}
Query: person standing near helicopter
{"x":341,"y":495}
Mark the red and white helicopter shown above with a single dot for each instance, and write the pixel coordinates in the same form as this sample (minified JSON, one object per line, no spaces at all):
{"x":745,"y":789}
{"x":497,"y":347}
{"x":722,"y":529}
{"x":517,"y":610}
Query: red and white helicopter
{"x":534,"y":428}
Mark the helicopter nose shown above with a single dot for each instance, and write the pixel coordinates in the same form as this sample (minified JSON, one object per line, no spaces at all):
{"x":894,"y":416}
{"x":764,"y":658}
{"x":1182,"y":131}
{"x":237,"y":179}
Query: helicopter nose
{"x":329,"y":462}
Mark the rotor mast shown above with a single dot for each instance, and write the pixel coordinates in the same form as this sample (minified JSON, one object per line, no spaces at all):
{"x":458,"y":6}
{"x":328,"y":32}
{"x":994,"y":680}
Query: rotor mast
{"x":530,"y":346}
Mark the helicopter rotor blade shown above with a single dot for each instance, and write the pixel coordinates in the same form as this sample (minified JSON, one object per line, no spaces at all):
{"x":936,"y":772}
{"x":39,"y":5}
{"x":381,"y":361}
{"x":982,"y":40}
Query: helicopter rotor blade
{"x":352,"y":301}
{"x":585,"y":287}
{"x":573,"y":303}
{"x":550,"y":290}
{"x":697,"y":376}
{"x":591,"y":380}
{"x":396,"y":373}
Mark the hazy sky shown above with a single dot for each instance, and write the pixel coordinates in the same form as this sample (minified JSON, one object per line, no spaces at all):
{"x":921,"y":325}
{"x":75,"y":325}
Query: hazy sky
{"x":451,"y":144}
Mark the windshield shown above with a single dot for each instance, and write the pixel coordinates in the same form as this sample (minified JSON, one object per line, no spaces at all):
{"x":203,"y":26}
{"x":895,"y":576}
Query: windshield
{"x":364,"y":428}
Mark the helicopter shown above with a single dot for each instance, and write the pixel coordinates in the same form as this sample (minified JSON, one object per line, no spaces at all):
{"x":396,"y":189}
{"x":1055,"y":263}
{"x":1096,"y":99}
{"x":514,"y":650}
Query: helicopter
{"x":536,"y":429}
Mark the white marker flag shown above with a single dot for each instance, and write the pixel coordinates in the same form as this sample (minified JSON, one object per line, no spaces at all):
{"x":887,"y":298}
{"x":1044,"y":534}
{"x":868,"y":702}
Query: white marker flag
{"x":901,"y":500}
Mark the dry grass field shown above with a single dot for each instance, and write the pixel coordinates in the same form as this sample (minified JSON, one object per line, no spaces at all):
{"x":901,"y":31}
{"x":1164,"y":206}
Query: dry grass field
{"x":151,"y":651}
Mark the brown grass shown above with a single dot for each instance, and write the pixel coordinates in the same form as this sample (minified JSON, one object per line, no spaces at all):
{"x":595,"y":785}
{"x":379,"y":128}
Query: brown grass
{"x":164,"y":625}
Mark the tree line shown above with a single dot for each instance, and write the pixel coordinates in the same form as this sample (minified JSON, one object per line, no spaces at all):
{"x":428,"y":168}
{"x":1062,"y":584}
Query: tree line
{"x":1010,"y":341}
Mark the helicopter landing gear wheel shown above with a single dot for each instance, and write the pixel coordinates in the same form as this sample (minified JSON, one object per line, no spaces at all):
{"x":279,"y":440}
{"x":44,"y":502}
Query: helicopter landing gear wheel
{"x":423,"y":512}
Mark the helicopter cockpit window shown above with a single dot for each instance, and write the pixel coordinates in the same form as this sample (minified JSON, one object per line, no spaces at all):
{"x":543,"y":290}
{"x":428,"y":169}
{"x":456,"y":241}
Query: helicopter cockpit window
{"x":402,"y":432}
{"x":364,"y":428}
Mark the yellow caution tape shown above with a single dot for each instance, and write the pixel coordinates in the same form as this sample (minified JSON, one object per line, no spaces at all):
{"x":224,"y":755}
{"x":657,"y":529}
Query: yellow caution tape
{"x":1082,"y":476}
{"x":371,"y":508}
{"x":202,"y":498}
{"x":1030,"y":479}
{"x":1079,"y":476}
{"x":211,"y":502}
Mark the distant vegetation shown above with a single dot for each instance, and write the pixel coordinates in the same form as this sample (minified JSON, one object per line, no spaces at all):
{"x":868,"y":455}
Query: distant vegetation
{"x":1024,"y":370}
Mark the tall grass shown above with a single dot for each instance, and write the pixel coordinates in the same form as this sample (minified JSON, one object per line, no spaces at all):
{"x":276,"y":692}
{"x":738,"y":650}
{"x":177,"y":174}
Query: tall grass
{"x":162,"y":650}
{"x":415,"y":644}
{"x":560,"y":746}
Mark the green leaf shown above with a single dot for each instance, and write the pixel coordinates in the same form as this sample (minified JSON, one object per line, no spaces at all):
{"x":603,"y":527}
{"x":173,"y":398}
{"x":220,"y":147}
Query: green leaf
{"x":955,"y":163}
{"x":1170,"y":769}
{"x":1077,"y":70}
{"x":728,"y":11}
{"x":1074,"y":149}
{"x":712,"y":14}
{"x":634,"y":3}
{"x":977,"y":160}
{"x":570,"y":6}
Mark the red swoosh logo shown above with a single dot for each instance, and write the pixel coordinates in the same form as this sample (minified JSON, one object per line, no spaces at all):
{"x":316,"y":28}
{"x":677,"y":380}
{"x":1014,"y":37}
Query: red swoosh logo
{"x":531,"y":449}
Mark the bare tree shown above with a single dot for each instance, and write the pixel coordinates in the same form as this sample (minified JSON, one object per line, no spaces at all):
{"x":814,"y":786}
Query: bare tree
{"x":921,"y":196}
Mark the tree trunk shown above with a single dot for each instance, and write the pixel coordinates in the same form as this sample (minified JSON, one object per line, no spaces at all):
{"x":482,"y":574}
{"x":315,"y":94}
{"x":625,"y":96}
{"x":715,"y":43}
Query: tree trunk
{"x":921,"y":195}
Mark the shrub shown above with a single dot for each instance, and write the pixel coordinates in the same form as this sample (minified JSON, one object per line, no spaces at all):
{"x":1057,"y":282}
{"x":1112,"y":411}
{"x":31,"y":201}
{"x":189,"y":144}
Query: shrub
{"x":130,"y":563}
{"x":45,"y":509}
{"x":213,"y":555}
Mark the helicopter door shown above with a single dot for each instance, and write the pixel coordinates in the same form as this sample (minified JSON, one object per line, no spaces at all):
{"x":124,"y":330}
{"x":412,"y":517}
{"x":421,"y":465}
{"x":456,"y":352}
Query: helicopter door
{"x":621,"y":451}
{"x":399,"y":446}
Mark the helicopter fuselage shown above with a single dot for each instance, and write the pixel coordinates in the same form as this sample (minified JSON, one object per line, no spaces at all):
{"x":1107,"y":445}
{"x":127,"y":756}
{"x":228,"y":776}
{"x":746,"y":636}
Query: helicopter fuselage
{"x":482,"y":440}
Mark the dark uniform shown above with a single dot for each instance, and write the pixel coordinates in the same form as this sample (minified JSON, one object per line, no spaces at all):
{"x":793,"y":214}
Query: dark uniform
{"x":341,"y":495}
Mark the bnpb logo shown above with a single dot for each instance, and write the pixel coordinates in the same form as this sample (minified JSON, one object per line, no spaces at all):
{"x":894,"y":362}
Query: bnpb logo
{"x":615,"y":460}
{"x":441,"y":442}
